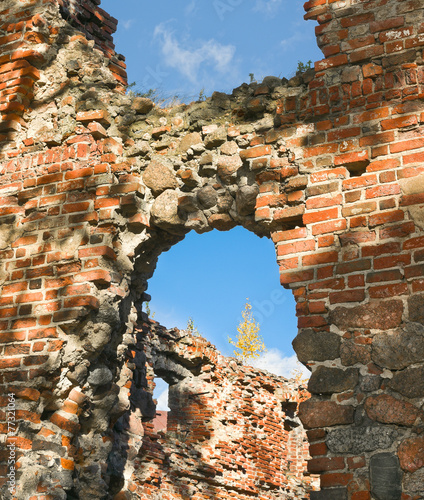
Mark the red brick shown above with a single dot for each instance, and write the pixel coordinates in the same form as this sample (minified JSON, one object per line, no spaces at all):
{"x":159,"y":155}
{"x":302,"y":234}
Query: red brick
{"x":347,"y":296}
{"x":323,"y":464}
{"x":296,"y":247}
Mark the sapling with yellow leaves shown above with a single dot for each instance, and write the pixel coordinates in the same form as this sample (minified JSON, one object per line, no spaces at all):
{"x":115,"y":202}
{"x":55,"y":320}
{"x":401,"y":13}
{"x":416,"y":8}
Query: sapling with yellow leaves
{"x":249,"y":344}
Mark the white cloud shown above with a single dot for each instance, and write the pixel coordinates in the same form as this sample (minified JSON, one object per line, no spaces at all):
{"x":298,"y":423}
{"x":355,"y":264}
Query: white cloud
{"x":189,"y":61}
{"x":269,"y":7}
{"x":275,"y":362}
{"x":296,"y":38}
{"x":163,"y":401}
{"x":127,"y":24}
{"x":190,"y":8}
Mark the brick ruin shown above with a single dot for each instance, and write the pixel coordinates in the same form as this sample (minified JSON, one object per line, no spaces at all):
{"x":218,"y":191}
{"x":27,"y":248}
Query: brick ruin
{"x":96,"y":184}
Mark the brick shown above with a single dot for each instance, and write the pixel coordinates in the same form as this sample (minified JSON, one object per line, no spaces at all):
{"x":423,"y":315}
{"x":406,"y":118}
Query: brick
{"x":295,"y":247}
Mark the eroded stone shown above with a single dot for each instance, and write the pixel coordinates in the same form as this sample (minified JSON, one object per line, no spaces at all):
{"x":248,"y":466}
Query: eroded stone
{"x":316,"y":346}
{"x":400,"y":348}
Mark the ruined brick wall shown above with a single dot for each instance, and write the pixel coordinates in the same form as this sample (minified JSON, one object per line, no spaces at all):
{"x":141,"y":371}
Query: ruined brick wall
{"x":232,"y":431}
{"x":96,"y":185}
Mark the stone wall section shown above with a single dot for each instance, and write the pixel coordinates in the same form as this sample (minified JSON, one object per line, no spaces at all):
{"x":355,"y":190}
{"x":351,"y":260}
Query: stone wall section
{"x":96,"y":184}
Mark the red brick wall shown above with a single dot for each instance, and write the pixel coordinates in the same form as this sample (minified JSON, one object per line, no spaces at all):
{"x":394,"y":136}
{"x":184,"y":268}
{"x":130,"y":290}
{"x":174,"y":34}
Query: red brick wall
{"x":92,"y":191}
{"x":231,"y":429}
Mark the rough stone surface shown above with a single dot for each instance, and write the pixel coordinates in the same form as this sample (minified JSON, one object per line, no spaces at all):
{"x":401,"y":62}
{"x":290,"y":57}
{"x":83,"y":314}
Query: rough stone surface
{"x":416,"y":308}
{"x":159,"y":177}
{"x":246,"y":199}
{"x":386,"y":477}
{"x":396,"y":350}
{"x":165,"y":212}
{"x":351,"y":353}
{"x":361,"y":440}
{"x":414,"y":482}
{"x":389,"y":410}
{"x":411,"y":454}
{"x":324,"y":414}
{"x":409,"y":382}
{"x":377,"y":315}
{"x":329,"y":380}
{"x":316,"y":346}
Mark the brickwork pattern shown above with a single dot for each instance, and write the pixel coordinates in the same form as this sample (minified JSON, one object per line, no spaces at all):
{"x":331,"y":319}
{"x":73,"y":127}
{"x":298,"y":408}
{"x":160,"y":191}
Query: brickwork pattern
{"x":232,"y":430}
{"x":95,"y":185}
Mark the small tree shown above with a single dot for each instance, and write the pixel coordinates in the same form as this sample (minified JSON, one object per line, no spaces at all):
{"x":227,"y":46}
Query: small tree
{"x":191,"y":328}
{"x":248,"y":342}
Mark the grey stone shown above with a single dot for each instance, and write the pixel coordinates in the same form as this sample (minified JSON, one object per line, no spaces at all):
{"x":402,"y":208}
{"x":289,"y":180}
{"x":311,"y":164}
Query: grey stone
{"x":164,"y":213}
{"x":361,"y":439}
{"x":333,"y":494}
{"x":78,"y":374}
{"x":326,"y":380}
{"x":316,"y":346}
{"x":271,"y":82}
{"x":416,"y":308}
{"x":414,"y":483}
{"x":225,"y":201}
{"x":246,"y":199}
{"x":351,"y":353}
{"x":385,"y":477}
{"x":370,"y":383}
{"x":399,"y":349}
{"x":159,"y":177}
{"x":221,"y":100}
{"x":100,"y":376}
{"x":207,"y":196}
{"x":409,"y":382}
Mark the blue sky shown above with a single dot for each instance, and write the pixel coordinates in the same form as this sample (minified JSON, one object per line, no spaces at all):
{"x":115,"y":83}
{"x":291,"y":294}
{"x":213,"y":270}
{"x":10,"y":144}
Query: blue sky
{"x":181,"y":48}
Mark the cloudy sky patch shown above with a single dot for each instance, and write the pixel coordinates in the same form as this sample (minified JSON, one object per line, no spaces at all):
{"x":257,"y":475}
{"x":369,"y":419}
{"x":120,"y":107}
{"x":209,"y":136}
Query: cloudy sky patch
{"x":191,"y":58}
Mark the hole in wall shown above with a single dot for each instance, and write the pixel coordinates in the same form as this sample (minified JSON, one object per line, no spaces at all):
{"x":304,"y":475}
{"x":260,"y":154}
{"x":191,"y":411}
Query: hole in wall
{"x":203,"y":283}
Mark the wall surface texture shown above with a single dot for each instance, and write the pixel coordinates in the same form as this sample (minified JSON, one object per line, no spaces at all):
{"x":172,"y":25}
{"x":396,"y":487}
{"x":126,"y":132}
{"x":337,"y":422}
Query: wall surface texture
{"x":95,"y":185}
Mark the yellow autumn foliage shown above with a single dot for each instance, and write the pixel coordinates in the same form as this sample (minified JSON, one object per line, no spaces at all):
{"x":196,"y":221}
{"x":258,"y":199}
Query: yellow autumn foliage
{"x":248,"y":342}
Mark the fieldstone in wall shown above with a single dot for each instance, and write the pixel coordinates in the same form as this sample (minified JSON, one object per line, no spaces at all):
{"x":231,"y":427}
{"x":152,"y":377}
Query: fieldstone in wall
{"x":159,"y":177}
{"x":378,"y":315}
{"x":389,"y":410}
{"x":361,"y":439}
{"x":411,"y":453}
{"x":324,"y":414}
{"x":398,"y":349}
{"x":409,"y":382}
{"x":164,"y":213}
{"x":316,"y":346}
{"x":385,"y":477}
{"x":415,"y":483}
{"x":416,"y":308}
{"x":142,"y":105}
{"x":326,"y":380}
{"x":246,"y":199}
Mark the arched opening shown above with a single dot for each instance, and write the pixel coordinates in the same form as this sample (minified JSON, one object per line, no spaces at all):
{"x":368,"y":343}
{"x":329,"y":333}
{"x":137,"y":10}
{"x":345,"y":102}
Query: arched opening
{"x":210,"y":407}
{"x":207,"y":278}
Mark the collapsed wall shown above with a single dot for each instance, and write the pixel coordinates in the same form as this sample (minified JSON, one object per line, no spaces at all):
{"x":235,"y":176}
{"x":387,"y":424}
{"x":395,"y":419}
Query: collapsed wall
{"x":96,"y":184}
{"x":232,"y":431}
